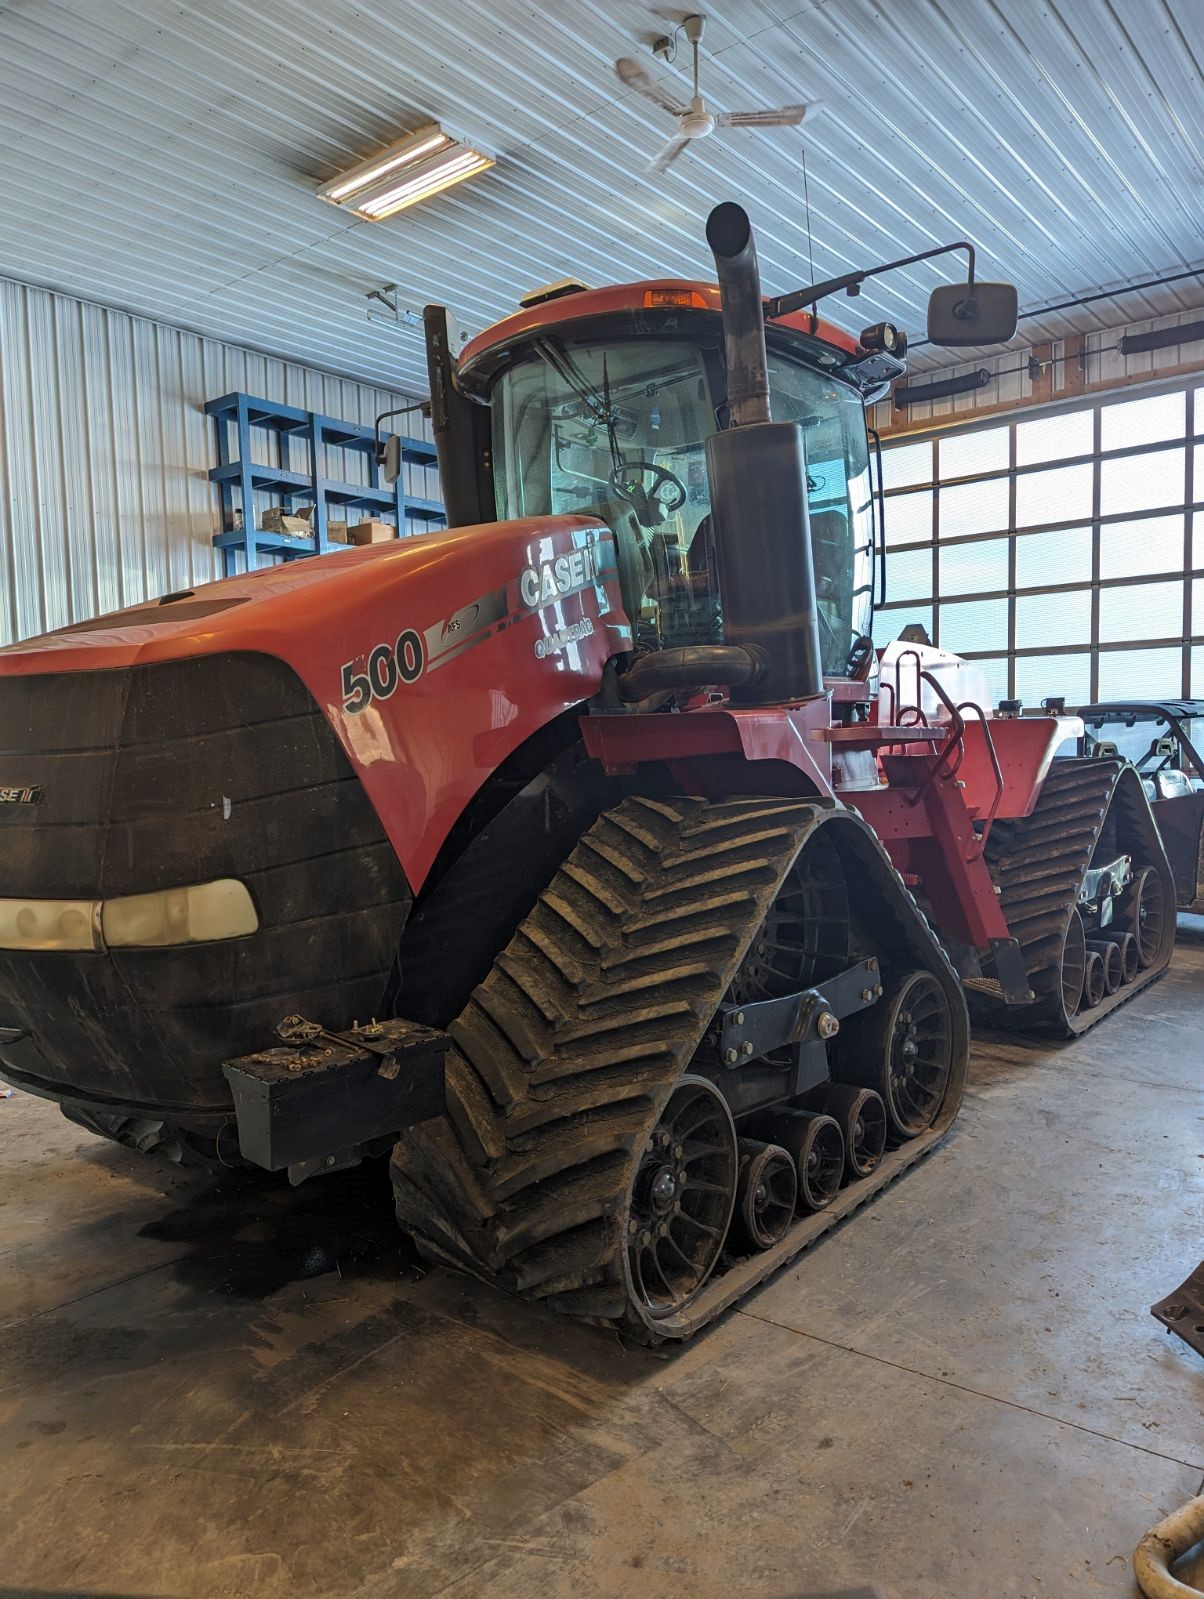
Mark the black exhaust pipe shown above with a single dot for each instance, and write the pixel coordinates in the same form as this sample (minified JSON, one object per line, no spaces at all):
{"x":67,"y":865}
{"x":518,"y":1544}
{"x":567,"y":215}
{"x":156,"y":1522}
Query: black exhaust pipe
{"x":757,"y":470}
{"x":730,"y":236}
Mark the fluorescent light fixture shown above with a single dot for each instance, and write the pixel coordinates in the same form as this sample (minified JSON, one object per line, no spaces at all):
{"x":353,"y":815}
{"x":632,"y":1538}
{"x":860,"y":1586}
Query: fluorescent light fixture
{"x":421,"y":164}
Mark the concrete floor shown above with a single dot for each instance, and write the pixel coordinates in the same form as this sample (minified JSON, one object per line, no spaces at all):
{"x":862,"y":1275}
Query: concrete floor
{"x":958,"y":1391}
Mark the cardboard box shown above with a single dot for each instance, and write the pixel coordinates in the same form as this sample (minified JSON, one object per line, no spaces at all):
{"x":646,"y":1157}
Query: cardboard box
{"x":371,"y":532}
{"x":336,"y":532}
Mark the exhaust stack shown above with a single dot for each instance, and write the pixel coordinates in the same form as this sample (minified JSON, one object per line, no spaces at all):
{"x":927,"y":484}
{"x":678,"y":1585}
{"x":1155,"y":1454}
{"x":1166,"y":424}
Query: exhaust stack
{"x":757,"y":470}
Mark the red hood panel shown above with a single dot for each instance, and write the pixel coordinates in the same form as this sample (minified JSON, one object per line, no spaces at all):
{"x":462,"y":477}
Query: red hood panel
{"x":433,"y":658}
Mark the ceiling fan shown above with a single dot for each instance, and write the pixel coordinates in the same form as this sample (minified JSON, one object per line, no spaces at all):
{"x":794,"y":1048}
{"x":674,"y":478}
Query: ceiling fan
{"x":694,"y":121}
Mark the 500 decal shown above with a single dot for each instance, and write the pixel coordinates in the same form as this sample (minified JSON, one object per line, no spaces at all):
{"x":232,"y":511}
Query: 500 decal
{"x":387,"y":666}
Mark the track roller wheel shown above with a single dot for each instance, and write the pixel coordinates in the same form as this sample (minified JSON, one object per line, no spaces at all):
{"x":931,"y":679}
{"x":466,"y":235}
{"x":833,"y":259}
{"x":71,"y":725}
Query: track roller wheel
{"x":1074,"y":962}
{"x":862,"y":1117}
{"x":817,"y":1145}
{"x":1143,"y":913}
{"x":902,"y":1048}
{"x":1130,"y":964}
{"x":1109,"y":954}
{"x":1093,"y":980}
{"x":681,"y":1198}
{"x":768,"y":1192}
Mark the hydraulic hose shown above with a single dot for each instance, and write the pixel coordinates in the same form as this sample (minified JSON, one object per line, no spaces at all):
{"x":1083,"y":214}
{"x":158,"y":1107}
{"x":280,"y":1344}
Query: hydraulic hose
{"x":1165,"y":1543}
{"x":691,"y":667}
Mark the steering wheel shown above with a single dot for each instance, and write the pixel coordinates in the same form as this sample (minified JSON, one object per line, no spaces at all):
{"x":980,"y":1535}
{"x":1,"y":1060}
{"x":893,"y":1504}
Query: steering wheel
{"x":651,"y":505}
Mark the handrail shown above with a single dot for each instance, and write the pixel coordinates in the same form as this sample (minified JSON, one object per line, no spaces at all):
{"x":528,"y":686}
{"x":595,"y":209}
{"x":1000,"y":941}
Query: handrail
{"x":989,"y":741}
{"x":957,"y":728}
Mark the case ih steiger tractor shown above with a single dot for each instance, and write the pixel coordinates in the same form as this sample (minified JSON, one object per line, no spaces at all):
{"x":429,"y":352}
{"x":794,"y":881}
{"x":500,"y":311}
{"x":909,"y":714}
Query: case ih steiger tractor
{"x":575,"y":854}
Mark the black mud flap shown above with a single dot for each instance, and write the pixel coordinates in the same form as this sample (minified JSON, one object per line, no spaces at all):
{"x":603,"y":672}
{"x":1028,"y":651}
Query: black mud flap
{"x":321,"y":1101}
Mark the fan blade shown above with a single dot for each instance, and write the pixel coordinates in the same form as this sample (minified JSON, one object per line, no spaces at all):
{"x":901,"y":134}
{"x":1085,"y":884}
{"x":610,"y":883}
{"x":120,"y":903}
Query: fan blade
{"x":784,"y":116}
{"x":668,"y":154}
{"x":633,"y":75}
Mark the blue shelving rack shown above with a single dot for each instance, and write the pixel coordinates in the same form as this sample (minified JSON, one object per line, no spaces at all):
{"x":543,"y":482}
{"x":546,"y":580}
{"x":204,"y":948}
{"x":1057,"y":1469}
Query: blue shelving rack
{"x":239,"y":478}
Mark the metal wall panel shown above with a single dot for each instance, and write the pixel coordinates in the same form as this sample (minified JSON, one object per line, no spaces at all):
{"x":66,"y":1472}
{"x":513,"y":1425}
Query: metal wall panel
{"x":105,"y":450}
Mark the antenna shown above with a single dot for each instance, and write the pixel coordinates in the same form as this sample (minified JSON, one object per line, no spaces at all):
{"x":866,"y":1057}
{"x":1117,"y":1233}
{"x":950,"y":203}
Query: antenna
{"x":807,"y":206}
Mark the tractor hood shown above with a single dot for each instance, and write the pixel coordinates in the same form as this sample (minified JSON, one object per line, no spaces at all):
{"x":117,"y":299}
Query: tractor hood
{"x":276,"y":609}
{"x":432,"y":658}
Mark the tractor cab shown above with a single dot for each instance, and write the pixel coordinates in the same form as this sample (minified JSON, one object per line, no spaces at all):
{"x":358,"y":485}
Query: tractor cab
{"x":601,"y":403}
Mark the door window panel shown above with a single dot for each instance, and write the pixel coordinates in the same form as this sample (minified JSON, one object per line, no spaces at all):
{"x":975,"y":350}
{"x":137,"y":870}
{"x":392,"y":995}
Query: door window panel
{"x":976,"y":568}
{"x":1052,"y":438}
{"x":909,"y":517}
{"x":965,"y":454}
{"x":1056,"y":494}
{"x":974,"y":508}
{"x":1039,"y":677}
{"x":1059,"y":556}
{"x":1141,"y":611}
{"x":1130,"y":549}
{"x":974,"y":625}
{"x":1043,"y":620}
{"x":1141,"y":482}
{"x":1140,"y":674}
{"x":1147,"y":421}
{"x":905,"y":465}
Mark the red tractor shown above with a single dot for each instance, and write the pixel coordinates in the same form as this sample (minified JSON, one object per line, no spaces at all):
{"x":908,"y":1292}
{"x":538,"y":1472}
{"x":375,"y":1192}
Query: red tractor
{"x":601,"y":871}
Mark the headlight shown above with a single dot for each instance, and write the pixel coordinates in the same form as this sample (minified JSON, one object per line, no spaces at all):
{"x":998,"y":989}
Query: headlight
{"x":196,"y":915}
{"x":199,"y":914}
{"x":50,"y":924}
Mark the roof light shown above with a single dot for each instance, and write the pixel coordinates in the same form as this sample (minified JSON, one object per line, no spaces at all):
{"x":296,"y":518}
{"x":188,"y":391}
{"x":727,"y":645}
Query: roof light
{"x":552,"y":291}
{"x":421,"y":164}
{"x":667,"y":297}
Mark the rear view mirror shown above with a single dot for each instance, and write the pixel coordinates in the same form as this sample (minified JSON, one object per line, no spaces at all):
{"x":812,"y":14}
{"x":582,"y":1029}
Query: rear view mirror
{"x":965,"y":314}
{"x":391,"y":459}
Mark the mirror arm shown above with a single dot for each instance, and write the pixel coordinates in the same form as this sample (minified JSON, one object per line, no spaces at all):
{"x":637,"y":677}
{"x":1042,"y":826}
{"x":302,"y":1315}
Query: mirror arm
{"x":401,"y":410}
{"x":799,"y":299}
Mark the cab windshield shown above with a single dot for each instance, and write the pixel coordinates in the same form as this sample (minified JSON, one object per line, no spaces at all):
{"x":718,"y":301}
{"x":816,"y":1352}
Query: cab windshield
{"x":618,"y":430}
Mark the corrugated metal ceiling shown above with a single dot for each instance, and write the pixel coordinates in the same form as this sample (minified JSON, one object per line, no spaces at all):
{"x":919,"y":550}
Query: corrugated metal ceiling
{"x":163,"y":157}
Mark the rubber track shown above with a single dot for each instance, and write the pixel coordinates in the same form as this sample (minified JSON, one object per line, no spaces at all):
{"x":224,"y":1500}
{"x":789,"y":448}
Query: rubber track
{"x":567,"y":1051}
{"x":1037,"y":863}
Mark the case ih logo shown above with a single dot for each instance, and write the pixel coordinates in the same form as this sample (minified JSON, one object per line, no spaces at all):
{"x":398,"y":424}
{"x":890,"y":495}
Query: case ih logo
{"x":540,"y":585}
{"x":21,"y":796}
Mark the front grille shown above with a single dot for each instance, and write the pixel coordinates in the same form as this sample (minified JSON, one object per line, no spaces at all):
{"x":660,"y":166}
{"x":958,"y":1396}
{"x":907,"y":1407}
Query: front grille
{"x":181,"y":772}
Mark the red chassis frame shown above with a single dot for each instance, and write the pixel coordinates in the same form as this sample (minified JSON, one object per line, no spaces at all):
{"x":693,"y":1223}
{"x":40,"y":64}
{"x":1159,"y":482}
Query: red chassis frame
{"x":939,"y":781}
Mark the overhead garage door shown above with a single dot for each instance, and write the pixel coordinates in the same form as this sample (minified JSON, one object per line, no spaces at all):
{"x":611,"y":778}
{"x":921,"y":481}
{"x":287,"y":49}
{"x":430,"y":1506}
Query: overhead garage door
{"x":1056,"y":548}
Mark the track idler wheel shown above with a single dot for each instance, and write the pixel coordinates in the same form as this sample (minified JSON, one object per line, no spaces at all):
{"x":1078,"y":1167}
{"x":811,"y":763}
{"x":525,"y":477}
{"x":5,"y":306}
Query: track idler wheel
{"x":1143,"y":913}
{"x":1113,"y":968}
{"x":682,"y":1197}
{"x":862,"y":1117}
{"x":768,"y":1192}
{"x":1130,"y":963}
{"x":1094,"y":987}
{"x":902,"y":1048}
{"x":817,"y":1145}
